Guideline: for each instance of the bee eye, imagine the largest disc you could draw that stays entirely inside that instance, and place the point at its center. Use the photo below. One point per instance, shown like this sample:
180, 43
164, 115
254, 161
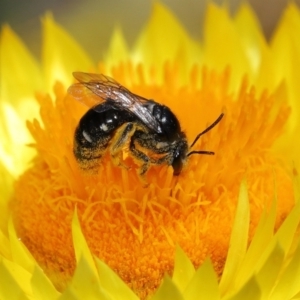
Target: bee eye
167, 120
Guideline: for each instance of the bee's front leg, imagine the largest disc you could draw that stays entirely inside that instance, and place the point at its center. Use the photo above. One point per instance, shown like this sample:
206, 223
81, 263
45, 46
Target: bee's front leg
140, 156
148, 141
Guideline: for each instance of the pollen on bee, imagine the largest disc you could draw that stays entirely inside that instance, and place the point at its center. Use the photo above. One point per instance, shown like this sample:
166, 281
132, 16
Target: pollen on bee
160, 145
87, 136
103, 127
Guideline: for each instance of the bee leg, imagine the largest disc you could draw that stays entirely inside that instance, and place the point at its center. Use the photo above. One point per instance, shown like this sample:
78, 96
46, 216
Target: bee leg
140, 156
122, 138
162, 160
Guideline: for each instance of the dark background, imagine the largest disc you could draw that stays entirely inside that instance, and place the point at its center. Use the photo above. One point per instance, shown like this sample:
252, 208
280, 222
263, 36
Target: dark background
91, 22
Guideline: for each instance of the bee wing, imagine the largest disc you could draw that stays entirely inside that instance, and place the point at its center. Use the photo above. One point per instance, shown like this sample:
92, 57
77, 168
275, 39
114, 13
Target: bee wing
104, 88
80, 92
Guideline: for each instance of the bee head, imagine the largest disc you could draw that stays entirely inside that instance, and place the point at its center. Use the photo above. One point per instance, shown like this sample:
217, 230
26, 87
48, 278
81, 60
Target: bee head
180, 155
181, 151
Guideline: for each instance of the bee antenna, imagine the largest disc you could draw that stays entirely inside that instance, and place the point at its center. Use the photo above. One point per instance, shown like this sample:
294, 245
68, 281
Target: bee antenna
203, 132
201, 152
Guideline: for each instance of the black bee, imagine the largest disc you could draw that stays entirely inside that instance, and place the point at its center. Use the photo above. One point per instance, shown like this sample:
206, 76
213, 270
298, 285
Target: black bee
118, 117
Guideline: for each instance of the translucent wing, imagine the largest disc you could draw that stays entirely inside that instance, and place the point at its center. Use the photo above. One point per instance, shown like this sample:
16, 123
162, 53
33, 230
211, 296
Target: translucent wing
103, 89
81, 93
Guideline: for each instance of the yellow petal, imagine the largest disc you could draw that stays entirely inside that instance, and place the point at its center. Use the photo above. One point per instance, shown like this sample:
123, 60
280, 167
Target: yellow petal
62, 55
286, 232
113, 284
255, 47
264, 261
6, 187
204, 284
20, 75
81, 247
117, 50
96, 280
84, 282
238, 240
183, 270
286, 54
249, 291
263, 236
69, 295
4, 245
267, 275
287, 286
286, 51
41, 285
20, 254
164, 39
222, 44
14, 152
19, 272
15, 281
167, 290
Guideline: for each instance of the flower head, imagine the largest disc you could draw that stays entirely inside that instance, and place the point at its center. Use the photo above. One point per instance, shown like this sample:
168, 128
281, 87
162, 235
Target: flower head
136, 230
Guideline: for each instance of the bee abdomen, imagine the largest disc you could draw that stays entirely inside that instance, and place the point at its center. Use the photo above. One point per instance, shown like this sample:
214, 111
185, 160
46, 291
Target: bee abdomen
94, 132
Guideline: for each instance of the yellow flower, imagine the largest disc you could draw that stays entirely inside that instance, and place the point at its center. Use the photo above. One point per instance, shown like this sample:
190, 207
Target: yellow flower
206, 234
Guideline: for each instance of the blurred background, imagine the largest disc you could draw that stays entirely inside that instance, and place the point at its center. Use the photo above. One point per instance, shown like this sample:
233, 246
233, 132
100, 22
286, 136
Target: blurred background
91, 22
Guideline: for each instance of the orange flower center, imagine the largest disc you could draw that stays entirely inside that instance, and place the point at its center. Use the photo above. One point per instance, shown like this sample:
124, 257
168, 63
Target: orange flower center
132, 227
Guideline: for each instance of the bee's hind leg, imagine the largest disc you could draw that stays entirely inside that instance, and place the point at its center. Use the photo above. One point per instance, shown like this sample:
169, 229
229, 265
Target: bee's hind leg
119, 141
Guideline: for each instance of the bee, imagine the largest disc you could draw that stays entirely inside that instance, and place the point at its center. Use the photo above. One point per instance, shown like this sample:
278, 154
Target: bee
118, 117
